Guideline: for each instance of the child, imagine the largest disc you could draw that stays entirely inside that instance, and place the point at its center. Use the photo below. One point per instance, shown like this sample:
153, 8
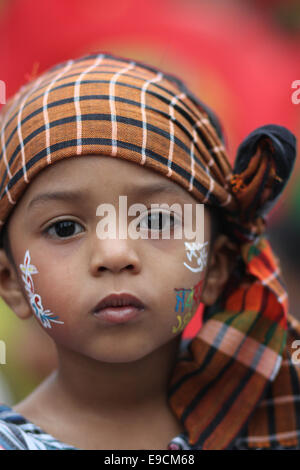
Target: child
73, 141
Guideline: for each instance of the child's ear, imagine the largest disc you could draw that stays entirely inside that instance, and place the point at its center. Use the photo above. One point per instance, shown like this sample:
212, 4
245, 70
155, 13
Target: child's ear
10, 289
221, 263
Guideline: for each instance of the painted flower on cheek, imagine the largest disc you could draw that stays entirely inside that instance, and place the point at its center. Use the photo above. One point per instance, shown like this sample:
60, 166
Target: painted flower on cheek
45, 316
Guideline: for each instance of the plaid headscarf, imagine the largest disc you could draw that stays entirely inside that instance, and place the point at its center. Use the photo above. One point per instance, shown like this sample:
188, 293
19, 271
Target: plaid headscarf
102, 104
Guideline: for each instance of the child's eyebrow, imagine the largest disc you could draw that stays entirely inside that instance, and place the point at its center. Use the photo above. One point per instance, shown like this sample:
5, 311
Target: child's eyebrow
72, 196
77, 196
164, 187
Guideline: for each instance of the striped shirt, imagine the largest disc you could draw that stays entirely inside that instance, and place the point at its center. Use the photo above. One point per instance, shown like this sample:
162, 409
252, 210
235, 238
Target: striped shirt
17, 433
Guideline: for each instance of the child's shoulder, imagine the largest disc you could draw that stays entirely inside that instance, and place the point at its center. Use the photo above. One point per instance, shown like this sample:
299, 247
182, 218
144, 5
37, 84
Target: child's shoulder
17, 433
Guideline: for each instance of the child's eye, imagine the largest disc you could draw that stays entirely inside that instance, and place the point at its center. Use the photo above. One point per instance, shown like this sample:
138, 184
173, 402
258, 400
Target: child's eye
158, 221
63, 229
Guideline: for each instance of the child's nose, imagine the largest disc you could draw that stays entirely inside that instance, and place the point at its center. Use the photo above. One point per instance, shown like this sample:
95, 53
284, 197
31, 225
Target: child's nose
114, 255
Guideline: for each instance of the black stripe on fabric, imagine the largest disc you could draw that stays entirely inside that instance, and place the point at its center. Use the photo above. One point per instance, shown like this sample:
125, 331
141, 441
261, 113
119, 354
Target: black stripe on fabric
258, 192
138, 63
161, 98
61, 103
228, 404
100, 117
271, 418
241, 442
91, 117
92, 97
171, 78
128, 85
296, 393
128, 146
82, 60
176, 122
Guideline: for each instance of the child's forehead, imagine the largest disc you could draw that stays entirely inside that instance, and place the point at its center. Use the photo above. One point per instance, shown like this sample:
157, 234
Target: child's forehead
91, 176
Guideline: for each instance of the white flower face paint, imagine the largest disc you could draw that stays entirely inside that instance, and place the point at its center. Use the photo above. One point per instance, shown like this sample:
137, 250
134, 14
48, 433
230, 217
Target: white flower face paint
45, 316
198, 251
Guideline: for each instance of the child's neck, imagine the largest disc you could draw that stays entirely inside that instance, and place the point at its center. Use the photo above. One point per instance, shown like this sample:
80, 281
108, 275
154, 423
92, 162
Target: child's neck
109, 387
84, 396
116, 385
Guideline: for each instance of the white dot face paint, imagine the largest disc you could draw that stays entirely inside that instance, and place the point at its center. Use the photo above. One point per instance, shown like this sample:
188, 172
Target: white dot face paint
199, 251
44, 316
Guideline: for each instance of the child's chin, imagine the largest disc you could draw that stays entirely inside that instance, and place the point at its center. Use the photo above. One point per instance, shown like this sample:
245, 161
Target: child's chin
121, 354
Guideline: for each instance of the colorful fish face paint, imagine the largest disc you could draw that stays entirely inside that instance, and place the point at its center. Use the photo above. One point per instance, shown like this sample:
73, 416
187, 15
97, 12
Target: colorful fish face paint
186, 299
45, 316
198, 251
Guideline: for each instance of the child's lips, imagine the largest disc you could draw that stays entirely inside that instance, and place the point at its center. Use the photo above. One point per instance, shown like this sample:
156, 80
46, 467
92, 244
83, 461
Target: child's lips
118, 308
118, 314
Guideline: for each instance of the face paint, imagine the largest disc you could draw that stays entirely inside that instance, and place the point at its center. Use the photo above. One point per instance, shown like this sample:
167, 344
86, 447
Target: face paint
198, 251
186, 299
45, 316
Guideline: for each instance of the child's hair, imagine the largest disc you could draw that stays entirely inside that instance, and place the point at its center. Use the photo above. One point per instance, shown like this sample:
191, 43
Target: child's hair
5, 243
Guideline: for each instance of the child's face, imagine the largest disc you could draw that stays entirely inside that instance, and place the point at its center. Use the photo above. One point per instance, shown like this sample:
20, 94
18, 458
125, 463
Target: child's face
76, 269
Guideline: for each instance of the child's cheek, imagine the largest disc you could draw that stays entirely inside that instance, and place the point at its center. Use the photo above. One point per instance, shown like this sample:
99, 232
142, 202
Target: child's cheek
35, 296
187, 300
